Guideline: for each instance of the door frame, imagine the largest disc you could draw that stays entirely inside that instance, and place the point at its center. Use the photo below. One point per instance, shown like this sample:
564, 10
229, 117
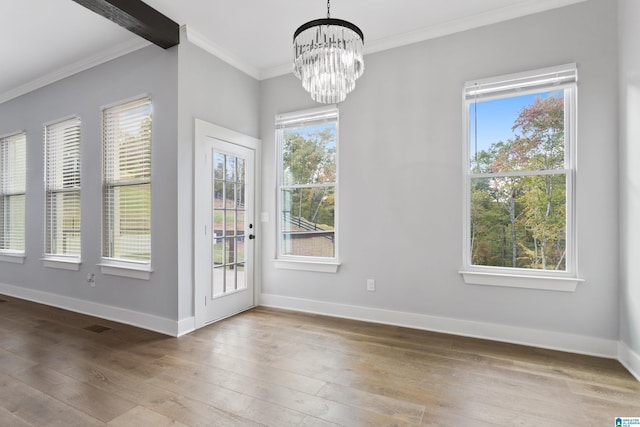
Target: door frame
203, 131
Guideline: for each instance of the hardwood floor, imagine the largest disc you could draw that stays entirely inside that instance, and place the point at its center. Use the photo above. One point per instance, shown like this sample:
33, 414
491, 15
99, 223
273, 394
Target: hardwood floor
279, 368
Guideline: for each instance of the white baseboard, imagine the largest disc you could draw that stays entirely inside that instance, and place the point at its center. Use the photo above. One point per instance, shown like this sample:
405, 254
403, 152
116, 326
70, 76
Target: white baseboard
629, 359
504, 333
122, 315
532, 337
186, 326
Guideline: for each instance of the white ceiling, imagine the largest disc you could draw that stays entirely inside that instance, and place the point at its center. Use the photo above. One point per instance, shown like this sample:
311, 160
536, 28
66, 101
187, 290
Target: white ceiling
42, 41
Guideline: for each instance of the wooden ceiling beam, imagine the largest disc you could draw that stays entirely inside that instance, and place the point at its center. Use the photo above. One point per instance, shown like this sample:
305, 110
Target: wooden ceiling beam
139, 18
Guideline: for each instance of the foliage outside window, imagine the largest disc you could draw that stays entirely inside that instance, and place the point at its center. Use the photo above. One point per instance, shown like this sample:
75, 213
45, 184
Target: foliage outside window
13, 154
520, 172
307, 180
62, 188
127, 181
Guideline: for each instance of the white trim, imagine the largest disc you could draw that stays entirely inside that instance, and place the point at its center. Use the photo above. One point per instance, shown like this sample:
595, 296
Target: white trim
17, 258
455, 26
72, 264
518, 84
132, 270
219, 52
62, 120
306, 265
210, 130
561, 341
629, 359
151, 322
277, 71
570, 125
129, 100
549, 283
186, 326
301, 117
204, 130
75, 68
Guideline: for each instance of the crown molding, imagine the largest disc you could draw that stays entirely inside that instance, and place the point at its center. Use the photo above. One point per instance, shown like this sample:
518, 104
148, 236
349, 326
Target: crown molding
71, 69
217, 51
504, 14
459, 25
455, 26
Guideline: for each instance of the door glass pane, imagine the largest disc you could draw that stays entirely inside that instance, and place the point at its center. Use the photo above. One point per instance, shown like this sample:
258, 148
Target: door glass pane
218, 194
218, 166
231, 169
230, 279
218, 281
230, 221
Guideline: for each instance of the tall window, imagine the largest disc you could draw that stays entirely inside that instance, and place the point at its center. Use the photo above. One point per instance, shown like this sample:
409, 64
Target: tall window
520, 172
307, 181
126, 143
12, 192
62, 188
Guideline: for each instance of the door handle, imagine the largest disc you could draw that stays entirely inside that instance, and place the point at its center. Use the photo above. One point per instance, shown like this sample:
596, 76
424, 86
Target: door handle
251, 236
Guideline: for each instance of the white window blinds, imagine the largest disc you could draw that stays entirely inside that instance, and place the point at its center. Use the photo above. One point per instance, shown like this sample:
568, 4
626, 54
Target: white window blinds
127, 181
13, 152
306, 118
62, 188
522, 83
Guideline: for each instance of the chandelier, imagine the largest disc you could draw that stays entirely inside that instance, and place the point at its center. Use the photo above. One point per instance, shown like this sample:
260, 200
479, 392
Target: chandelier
328, 57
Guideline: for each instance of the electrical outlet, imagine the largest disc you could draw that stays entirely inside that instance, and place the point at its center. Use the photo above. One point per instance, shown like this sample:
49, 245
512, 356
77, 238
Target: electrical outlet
91, 279
371, 285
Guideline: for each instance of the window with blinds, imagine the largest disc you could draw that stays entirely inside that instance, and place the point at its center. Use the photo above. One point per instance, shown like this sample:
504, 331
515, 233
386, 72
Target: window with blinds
126, 143
13, 155
62, 188
520, 171
308, 183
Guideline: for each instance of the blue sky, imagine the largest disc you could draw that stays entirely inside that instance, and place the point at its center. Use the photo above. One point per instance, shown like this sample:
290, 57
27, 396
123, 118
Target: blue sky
496, 117
308, 131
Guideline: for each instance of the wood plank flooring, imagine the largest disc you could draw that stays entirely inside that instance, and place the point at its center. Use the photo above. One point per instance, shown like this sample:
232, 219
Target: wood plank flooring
280, 368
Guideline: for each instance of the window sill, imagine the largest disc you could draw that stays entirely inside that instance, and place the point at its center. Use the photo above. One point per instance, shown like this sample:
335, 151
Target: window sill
548, 283
12, 257
131, 270
317, 266
72, 264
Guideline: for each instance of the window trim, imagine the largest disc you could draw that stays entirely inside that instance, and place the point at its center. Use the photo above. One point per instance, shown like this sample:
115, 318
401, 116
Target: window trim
11, 255
117, 266
300, 262
71, 263
566, 80
54, 260
125, 268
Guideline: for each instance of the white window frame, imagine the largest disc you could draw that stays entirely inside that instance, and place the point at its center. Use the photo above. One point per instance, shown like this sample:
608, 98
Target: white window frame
53, 259
297, 262
131, 268
553, 78
8, 255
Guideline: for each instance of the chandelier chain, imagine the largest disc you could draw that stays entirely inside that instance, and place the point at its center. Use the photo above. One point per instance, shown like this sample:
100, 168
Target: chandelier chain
328, 9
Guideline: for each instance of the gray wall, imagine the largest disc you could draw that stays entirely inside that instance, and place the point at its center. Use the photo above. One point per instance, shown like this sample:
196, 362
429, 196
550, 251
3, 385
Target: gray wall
214, 91
401, 186
151, 71
630, 173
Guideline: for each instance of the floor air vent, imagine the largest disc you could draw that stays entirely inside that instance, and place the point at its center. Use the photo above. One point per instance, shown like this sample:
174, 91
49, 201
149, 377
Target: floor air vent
97, 328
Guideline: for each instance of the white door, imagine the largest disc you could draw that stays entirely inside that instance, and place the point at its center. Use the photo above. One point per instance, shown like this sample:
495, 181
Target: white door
224, 228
